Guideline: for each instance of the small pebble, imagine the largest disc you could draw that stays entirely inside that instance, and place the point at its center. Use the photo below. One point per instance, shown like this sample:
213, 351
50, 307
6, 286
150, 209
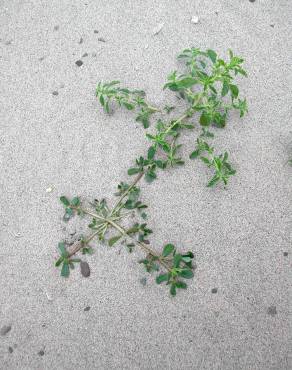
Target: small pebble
56, 28
55, 93
10, 349
214, 290
195, 19
101, 39
41, 353
272, 25
49, 189
5, 329
95, 31
143, 281
87, 308
84, 55
79, 63
81, 40
84, 268
251, 1
285, 254
272, 311
158, 29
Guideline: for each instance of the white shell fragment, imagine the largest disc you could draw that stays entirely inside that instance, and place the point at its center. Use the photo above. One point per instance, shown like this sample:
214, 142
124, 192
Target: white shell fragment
195, 19
49, 189
158, 29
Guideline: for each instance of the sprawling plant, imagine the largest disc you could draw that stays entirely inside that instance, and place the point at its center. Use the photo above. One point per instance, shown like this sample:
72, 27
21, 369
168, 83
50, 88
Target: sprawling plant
209, 93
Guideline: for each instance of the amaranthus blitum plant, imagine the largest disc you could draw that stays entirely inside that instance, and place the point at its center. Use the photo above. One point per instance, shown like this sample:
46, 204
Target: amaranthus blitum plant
207, 86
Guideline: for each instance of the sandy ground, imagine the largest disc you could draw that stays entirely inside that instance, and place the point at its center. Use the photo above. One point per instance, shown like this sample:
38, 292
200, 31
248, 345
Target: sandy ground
241, 236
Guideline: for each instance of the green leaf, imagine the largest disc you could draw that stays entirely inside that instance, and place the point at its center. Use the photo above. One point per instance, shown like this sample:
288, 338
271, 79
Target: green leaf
59, 261
205, 119
186, 274
195, 154
212, 55
225, 88
234, 91
62, 249
128, 106
213, 181
181, 285
133, 171
101, 99
113, 240
161, 278
168, 249
64, 200
65, 269
173, 289
75, 201
151, 152
150, 176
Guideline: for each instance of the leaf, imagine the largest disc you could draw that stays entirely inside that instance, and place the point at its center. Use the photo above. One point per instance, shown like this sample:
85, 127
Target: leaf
205, 119
212, 55
129, 106
64, 200
205, 160
181, 285
133, 171
65, 269
167, 250
75, 201
213, 181
234, 91
150, 176
161, 278
113, 240
186, 274
101, 99
173, 289
62, 249
195, 154
59, 261
225, 88
151, 152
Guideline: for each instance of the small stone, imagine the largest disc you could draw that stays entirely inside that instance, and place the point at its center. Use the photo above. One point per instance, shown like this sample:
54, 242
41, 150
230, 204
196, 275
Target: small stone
41, 353
5, 329
81, 40
10, 349
214, 290
195, 19
55, 93
143, 281
101, 39
56, 28
272, 310
272, 25
251, 1
79, 63
285, 254
84, 268
87, 308
49, 189
95, 31
84, 55
157, 29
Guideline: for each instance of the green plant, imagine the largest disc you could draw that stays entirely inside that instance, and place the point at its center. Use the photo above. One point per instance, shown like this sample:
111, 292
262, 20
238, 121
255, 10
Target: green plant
208, 89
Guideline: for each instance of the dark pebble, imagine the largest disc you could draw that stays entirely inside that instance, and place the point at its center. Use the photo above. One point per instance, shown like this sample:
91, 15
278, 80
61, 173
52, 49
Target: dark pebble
272, 310
251, 1
56, 28
5, 329
55, 93
81, 40
87, 308
101, 39
10, 349
143, 281
95, 31
272, 25
84, 268
84, 55
79, 63
214, 290
41, 353
285, 254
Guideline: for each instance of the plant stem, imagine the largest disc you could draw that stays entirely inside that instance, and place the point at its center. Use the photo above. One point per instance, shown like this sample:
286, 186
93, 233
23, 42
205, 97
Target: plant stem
121, 231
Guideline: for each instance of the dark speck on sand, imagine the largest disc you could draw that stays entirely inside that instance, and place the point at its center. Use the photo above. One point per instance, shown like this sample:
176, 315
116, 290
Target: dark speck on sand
79, 63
